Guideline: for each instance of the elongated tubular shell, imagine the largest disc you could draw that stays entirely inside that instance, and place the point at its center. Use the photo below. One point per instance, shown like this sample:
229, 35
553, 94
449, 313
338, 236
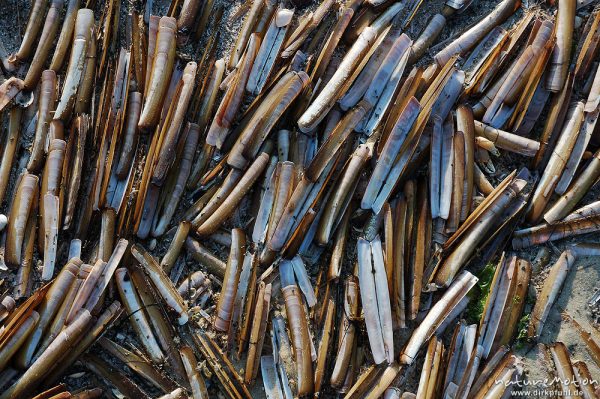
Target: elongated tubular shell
130, 134
335, 140
230, 280
46, 104
170, 257
301, 32
258, 332
556, 163
152, 31
188, 12
529, 97
271, 189
401, 244
259, 127
58, 349
544, 233
385, 86
247, 290
554, 121
72, 171
138, 318
292, 208
419, 251
593, 99
61, 315
47, 310
213, 264
470, 38
210, 201
441, 139
339, 246
231, 101
494, 309
12, 345
390, 151
106, 241
345, 16
81, 42
245, 34
10, 146
428, 382
85, 290
194, 377
440, 311
332, 91
20, 212
45, 44
139, 50
300, 338
166, 154
65, 36
269, 50
342, 193
163, 284
375, 299
564, 368
580, 186
111, 313
514, 81
50, 224
590, 210
228, 205
481, 181
52, 177
347, 334
88, 78
431, 32
560, 59
550, 291
284, 188
405, 92
458, 176
508, 141
210, 95
383, 382
160, 74
585, 379
160, 323
34, 24
387, 50
111, 265
324, 345
461, 253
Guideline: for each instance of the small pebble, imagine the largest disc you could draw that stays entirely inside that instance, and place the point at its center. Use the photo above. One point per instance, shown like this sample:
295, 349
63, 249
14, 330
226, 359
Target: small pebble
152, 244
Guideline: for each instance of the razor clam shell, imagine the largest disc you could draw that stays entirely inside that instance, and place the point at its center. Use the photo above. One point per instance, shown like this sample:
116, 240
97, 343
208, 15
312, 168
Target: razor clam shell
268, 51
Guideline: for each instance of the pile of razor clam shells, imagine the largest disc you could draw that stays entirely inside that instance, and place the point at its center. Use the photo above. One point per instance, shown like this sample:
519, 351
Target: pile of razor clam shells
342, 199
